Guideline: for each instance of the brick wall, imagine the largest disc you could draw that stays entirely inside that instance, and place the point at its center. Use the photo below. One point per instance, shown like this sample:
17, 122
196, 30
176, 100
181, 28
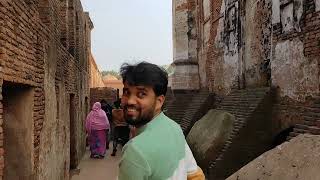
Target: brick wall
106, 93
95, 75
186, 71
265, 43
245, 44
39, 47
210, 53
298, 80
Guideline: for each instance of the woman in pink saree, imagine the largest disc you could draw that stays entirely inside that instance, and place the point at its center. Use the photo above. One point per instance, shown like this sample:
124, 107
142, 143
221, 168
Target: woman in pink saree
97, 125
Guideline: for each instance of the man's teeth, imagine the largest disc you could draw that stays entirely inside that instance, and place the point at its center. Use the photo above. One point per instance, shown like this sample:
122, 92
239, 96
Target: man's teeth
131, 110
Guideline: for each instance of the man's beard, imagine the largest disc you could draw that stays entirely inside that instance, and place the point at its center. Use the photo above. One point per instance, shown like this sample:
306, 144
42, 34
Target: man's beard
141, 119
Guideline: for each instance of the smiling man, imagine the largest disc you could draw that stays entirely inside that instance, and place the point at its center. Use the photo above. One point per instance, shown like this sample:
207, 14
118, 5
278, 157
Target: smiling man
159, 151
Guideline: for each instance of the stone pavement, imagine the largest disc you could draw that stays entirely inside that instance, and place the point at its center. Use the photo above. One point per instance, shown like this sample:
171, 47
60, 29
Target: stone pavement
98, 169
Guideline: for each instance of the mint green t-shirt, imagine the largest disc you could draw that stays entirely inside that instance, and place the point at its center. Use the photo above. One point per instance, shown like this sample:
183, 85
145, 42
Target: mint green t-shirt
158, 152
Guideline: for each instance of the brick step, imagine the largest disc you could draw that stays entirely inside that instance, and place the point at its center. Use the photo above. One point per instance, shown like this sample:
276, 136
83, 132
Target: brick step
246, 95
300, 131
199, 101
238, 113
292, 135
249, 109
240, 103
316, 105
180, 108
308, 118
314, 130
312, 109
312, 115
301, 126
238, 126
235, 132
175, 116
237, 122
262, 89
243, 98
241, 117
254, 91
310, 123
241, 108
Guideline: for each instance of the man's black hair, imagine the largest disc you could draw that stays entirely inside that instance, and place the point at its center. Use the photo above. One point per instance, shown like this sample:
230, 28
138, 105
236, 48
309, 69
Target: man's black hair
145, 74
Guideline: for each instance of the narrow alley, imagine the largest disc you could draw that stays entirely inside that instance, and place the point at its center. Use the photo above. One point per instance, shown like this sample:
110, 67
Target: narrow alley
97, 169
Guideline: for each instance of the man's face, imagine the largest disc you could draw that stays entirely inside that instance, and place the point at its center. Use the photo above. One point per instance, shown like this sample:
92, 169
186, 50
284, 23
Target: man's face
140, 104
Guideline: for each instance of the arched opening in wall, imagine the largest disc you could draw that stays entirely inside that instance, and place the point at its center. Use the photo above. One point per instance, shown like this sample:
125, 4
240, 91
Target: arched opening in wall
18, 103
282, 136
73, 159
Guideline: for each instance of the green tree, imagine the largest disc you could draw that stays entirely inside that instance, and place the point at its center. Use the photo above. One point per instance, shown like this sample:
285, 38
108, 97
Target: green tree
112, 72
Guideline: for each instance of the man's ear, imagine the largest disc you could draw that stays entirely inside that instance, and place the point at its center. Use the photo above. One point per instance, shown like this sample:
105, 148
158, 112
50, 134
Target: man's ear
160, 101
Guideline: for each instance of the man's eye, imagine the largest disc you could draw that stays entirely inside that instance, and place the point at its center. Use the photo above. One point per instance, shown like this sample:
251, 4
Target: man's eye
141, 94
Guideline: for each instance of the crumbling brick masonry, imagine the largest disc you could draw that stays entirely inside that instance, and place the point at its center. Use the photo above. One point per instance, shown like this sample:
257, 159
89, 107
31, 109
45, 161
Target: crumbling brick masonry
44, 85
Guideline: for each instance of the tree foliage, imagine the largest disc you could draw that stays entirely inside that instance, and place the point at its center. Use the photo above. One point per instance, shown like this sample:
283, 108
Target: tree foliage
168, 68
112, 73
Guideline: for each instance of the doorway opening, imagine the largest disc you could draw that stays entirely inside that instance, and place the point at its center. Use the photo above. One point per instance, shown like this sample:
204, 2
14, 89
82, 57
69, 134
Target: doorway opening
18, 102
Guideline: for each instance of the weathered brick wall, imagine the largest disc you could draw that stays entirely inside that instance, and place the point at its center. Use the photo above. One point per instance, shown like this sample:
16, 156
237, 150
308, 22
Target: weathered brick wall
95, 75
21, 62
295, 65
186, 73
230, 55
210, 54
34, 50
264, 43
106, 93
226, 68
256, 36
260, 43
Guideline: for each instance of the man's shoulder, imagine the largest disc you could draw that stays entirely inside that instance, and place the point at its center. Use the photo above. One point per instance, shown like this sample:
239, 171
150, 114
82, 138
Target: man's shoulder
170, 123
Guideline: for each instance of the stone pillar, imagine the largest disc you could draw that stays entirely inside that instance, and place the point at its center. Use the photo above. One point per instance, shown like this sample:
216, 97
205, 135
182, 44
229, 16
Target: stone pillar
186, 74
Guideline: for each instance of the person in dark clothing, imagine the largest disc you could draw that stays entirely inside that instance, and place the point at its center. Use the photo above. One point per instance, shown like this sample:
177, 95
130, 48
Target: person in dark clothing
121, 128
107, 108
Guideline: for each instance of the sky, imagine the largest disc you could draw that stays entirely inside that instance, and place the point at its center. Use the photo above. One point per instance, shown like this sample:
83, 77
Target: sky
130, 31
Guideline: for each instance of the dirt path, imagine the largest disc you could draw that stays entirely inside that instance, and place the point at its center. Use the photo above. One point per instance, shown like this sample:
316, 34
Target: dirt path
98, 169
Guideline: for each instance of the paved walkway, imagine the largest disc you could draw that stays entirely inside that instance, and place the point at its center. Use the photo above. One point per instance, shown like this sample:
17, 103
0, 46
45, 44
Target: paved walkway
98, 169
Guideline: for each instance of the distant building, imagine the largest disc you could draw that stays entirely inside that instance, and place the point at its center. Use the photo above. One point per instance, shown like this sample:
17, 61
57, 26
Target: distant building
113, 82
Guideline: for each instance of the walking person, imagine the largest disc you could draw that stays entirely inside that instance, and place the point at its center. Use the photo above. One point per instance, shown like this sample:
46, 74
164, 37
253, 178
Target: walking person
159, 150
107, 108
121, 128
97, 125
